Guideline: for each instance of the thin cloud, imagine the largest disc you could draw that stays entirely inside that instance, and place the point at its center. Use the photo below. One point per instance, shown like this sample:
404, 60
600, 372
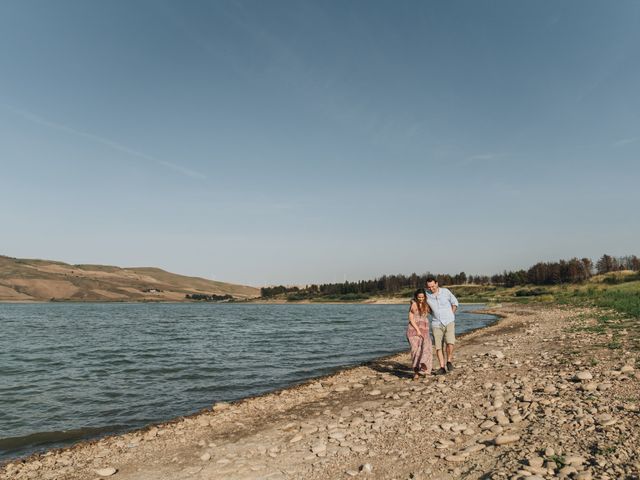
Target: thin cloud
32, 117
624, 141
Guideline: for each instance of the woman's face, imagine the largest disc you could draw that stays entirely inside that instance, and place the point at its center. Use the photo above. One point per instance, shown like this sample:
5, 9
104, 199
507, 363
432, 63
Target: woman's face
420, 297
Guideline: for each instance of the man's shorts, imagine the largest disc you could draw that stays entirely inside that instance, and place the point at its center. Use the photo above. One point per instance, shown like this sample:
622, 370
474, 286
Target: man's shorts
448, 333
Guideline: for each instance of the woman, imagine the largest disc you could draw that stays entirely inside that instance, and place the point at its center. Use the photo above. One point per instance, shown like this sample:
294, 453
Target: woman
418, 334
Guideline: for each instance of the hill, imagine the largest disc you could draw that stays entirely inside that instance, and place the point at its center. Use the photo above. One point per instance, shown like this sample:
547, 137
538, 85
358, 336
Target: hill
45, 280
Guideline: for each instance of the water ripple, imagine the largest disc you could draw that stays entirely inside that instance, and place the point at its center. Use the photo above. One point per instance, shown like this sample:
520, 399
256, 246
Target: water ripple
73, 371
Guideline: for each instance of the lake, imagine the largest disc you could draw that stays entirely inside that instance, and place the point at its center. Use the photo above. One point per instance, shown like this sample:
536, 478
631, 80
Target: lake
70, 371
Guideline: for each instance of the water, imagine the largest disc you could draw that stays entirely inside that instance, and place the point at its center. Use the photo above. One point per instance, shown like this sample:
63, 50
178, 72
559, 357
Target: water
74, 371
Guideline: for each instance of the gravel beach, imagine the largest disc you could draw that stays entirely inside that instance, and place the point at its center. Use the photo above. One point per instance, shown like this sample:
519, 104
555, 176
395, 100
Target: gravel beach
536, 395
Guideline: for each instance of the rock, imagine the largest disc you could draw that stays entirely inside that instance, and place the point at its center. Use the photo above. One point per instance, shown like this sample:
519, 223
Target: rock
366, 468
574, 460
605, 420
502, 420
105, 472
583, 476
221, 406
496, 354
535, 461
352, 473
337, 435
567, 471
549, 452
627, 369
319, 448
443, 443
474, 448
359, 448
537, 470
374, 392
505, 439
206, 457
296, 438
589, 387
517, 418
486, 425
455, 458
583, 376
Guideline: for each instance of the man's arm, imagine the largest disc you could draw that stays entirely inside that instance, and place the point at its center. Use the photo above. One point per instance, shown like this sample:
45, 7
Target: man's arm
454, 302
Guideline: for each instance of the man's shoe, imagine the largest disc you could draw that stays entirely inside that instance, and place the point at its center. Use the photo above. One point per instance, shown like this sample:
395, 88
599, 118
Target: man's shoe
449, 366
441, 371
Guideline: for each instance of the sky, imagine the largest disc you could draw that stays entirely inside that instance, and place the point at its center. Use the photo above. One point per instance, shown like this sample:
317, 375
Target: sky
297, 142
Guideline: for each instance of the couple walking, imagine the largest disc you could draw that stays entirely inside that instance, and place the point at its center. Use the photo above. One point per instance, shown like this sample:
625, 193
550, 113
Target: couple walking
441, 304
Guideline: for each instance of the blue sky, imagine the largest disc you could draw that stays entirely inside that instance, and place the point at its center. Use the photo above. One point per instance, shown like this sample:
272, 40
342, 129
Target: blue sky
298, 142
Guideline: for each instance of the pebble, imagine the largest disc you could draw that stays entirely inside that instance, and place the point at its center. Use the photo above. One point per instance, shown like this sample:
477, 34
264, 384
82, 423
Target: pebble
505, 439
583, 476
486, 425
535, 461
589, 387
319, 448
605, 420
375, 392
366, 468
359, 448
455, 458
296, 438
583, 376
105, 472
627, 369
443, 443
221, 406
574, 460
474, 448
567, 471
206, 457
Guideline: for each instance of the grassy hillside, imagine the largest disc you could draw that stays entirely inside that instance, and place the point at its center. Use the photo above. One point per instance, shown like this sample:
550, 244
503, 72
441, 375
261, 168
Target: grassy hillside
42, 280
616, 296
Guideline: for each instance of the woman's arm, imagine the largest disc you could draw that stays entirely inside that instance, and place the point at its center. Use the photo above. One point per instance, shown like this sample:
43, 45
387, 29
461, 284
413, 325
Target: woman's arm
412, 321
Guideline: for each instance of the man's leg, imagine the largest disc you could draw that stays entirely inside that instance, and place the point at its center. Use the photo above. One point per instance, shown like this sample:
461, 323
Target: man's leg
450, 352
450, 340
440, 357
438, 337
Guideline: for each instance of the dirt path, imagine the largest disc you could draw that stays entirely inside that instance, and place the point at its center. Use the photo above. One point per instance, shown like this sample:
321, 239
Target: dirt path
534, 396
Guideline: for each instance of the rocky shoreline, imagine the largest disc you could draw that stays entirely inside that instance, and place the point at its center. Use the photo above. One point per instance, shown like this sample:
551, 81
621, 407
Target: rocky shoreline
533, 396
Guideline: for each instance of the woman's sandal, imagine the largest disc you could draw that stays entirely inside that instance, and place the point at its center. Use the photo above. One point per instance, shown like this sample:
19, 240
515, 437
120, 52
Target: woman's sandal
416, 376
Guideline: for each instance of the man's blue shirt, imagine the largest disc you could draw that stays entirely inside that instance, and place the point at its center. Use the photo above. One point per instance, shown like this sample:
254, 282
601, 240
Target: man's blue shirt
440, 304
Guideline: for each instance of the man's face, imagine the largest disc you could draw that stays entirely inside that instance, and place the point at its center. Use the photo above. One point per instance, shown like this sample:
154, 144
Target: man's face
432, 286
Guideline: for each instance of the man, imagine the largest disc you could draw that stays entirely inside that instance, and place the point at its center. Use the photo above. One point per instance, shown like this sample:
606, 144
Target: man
443, 305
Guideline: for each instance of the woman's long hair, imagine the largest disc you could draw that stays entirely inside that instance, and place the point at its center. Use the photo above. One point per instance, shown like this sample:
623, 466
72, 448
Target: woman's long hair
423, 308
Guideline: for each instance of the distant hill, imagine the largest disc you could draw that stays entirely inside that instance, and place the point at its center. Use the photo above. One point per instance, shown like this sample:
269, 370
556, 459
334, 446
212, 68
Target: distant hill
45, 280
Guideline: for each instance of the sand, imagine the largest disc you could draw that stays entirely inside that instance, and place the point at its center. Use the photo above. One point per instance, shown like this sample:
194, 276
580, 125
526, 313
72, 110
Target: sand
533, 396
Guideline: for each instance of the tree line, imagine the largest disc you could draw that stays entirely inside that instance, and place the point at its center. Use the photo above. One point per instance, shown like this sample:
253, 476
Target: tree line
542, 273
